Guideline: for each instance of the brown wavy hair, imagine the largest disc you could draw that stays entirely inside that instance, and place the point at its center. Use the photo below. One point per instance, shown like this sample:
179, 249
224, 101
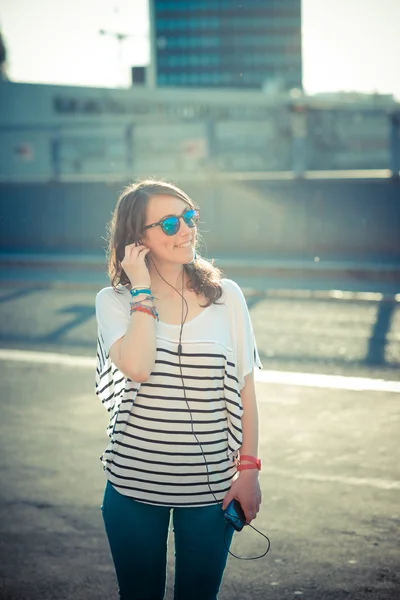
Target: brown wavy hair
126, 227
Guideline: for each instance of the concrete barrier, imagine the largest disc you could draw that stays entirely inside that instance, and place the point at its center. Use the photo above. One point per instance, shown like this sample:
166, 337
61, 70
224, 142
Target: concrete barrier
356, 220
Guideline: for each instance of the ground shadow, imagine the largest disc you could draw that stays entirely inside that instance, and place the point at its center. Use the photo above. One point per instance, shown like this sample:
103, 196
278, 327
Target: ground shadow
82, 313
379, 336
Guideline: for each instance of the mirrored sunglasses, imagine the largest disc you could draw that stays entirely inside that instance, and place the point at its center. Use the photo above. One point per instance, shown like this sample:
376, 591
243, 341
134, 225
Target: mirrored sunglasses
171, 224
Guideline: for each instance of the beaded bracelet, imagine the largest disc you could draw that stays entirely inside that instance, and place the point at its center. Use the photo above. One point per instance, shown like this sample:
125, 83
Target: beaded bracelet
146, 309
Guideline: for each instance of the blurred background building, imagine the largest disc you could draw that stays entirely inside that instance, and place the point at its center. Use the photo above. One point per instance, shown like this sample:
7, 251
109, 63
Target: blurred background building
51, 132
219, 43
221, 111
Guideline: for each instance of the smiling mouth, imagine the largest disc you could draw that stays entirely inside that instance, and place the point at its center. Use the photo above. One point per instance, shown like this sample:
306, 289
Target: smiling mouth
185, 245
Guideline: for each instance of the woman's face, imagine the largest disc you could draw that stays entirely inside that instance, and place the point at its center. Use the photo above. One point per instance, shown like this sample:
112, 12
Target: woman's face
177, 248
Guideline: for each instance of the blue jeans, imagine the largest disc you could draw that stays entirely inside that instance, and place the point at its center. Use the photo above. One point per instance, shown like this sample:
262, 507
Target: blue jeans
138, 534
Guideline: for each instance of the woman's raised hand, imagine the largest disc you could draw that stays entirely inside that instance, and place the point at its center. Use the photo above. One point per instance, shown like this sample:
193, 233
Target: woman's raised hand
134, 264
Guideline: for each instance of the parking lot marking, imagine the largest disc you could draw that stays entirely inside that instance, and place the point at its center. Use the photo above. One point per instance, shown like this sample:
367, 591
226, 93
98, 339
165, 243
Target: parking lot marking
339, 382
50, 358
381, 484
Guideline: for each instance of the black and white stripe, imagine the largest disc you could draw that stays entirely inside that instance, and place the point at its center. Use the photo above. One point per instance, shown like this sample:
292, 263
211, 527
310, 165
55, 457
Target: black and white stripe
167, 449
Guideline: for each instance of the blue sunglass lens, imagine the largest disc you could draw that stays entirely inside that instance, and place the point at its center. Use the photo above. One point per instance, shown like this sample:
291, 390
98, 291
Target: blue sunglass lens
171, 225
191, 217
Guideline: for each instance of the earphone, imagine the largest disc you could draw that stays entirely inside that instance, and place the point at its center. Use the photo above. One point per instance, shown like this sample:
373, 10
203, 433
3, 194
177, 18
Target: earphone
183, 320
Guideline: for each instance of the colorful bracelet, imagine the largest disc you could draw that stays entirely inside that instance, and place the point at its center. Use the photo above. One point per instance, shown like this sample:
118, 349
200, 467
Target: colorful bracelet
241, 467
146, 309
132, 303
136, 291
255, 463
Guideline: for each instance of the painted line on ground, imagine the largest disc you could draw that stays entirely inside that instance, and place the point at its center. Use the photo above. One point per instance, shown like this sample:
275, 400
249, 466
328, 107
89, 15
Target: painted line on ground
381, 484
49, 358
338, 382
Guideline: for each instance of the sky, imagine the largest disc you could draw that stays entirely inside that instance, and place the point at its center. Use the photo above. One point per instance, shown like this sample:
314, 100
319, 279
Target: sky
348, 45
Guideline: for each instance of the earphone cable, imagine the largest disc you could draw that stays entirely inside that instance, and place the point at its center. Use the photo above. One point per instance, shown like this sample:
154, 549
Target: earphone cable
251, 557
183, 320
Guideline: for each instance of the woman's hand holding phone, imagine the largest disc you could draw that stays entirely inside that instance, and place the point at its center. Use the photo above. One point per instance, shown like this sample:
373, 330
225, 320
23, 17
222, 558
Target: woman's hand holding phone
134, 264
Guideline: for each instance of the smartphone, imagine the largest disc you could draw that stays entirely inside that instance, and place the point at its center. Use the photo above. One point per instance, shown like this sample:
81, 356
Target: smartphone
234, 515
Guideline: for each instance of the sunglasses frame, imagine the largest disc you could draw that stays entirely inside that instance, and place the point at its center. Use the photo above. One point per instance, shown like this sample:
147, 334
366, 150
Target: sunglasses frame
179, 217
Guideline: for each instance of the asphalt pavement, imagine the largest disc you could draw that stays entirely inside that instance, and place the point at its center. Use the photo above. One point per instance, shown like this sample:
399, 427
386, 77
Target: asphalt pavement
330, 480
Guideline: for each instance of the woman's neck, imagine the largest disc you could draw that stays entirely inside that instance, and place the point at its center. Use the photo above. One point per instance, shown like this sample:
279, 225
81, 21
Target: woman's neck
172, 276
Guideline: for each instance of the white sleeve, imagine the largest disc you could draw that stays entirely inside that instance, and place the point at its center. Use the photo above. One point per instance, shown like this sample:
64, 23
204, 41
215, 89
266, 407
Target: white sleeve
112, 316
242, 331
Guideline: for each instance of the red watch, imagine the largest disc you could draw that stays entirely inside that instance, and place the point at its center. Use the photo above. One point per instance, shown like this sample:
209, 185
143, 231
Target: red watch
255, 463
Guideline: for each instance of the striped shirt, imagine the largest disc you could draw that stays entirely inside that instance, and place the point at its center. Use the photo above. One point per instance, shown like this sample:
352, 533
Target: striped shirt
174, 438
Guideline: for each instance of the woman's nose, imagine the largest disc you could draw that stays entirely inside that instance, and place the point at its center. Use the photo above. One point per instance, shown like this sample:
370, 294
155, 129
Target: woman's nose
184, 229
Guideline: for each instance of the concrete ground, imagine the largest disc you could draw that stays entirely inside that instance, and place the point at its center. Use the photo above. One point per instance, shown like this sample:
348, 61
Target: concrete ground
330, 481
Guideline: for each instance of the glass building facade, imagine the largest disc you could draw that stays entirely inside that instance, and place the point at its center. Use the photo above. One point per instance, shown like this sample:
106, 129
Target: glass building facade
227, 43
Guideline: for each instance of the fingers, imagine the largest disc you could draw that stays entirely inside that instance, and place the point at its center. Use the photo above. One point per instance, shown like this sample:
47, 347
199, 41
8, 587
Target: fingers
227, 499
136, 250
143, 250
250, 512
249, 517
134, 246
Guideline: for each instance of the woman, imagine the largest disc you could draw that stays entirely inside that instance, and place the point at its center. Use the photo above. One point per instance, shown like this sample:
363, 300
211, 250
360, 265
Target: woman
176, 353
